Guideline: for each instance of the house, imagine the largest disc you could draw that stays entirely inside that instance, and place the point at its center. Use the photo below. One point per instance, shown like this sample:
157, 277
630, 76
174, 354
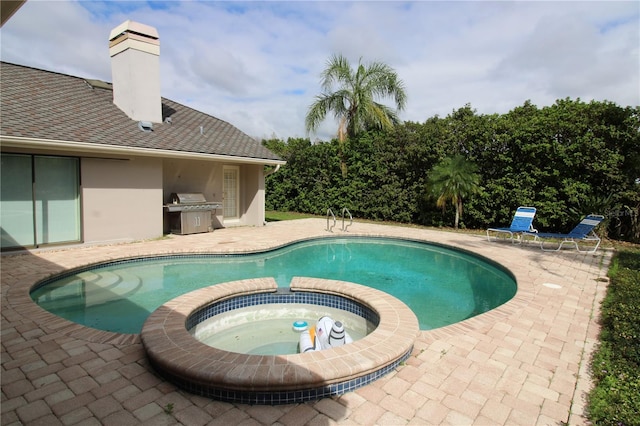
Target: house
8, 8
85, 161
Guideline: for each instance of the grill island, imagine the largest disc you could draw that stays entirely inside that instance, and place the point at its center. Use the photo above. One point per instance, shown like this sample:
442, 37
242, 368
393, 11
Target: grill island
190, 213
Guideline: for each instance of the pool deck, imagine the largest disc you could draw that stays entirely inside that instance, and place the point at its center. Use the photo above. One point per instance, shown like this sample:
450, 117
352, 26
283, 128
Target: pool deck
523, 363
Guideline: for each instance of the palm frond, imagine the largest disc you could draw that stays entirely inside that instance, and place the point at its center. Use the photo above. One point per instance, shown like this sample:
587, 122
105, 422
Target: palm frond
453, 179
352, 95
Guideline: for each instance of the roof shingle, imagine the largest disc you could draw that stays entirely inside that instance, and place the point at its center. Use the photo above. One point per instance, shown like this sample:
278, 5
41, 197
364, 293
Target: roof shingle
42, 104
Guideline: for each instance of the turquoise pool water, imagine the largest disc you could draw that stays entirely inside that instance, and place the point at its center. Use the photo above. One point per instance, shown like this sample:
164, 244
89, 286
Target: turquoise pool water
442, 286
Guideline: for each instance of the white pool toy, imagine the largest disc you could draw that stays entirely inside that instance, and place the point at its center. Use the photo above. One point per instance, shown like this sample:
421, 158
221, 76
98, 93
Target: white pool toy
326, 334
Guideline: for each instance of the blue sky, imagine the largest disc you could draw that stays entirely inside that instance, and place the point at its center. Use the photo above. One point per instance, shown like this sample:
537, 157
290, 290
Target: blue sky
257, 64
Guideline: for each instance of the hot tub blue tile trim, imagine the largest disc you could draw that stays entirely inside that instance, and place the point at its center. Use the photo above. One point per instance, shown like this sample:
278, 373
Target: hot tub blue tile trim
283, 397
329, 300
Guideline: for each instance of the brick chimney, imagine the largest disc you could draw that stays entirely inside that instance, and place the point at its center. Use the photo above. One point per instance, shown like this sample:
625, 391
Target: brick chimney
135, 70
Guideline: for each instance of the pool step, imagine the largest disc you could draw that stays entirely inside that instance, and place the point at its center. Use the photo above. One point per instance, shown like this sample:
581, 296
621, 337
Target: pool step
106, 286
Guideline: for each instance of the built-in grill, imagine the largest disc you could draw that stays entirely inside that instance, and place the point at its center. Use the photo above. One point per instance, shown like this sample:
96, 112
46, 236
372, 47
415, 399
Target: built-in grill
190, 213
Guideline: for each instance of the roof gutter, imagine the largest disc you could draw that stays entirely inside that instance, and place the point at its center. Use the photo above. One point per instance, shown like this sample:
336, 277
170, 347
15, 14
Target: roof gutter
102, 149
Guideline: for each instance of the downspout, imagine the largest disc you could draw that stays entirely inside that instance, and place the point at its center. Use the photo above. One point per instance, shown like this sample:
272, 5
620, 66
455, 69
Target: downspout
270, 172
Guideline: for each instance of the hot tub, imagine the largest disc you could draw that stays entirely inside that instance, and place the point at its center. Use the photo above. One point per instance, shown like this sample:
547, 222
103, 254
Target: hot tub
263, 379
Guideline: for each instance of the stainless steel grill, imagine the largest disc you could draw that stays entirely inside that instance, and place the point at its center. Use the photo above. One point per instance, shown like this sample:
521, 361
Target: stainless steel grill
190, 213
190, 201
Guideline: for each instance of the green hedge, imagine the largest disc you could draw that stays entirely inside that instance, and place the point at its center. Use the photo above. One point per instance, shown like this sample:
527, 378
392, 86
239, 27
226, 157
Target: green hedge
615, 366
567, 160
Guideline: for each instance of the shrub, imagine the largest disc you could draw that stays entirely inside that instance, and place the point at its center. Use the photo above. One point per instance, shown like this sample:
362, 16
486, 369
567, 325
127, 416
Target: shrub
615, 366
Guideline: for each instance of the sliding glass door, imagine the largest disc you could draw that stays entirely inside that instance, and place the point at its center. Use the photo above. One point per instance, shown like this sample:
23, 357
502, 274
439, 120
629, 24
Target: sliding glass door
16, 198
57, 200
40, 200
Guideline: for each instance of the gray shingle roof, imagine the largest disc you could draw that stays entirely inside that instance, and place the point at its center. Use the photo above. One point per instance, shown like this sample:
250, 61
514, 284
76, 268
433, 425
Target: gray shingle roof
47, 105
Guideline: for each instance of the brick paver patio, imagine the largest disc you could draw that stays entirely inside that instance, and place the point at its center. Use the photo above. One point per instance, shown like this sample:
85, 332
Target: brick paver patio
523, 363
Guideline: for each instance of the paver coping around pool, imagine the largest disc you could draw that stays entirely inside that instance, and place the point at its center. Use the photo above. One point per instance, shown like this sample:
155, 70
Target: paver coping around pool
177, 355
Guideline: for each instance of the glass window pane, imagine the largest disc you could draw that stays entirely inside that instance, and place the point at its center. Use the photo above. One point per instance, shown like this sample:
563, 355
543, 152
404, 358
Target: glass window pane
57, 199
16, 203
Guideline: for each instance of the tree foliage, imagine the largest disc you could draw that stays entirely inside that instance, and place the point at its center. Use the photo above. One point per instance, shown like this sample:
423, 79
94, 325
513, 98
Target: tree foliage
352, 96
453, 179
568, 160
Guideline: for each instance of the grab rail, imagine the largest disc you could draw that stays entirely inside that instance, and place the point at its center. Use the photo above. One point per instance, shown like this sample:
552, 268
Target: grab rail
344, 228
329, 211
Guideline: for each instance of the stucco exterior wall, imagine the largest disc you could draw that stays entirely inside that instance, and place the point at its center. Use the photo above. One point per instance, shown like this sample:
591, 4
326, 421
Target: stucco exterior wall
207, 177
252, 189
121, 199
194, 176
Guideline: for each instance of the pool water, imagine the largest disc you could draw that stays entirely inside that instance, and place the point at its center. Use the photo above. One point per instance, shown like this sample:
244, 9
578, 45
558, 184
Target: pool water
268, 329
442, 286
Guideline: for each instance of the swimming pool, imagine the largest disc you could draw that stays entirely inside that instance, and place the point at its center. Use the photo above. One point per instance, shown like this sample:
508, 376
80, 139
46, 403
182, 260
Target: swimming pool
441, 285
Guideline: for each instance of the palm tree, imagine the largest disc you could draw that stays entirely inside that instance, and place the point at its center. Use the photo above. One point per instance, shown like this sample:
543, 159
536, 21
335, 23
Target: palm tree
352, 97
454, 179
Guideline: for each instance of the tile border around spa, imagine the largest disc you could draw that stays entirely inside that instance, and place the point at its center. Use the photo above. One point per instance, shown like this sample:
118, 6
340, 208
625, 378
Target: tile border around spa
283, 379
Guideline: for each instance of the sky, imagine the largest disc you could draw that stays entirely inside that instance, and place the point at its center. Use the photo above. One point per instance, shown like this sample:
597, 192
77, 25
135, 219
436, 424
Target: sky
257, 65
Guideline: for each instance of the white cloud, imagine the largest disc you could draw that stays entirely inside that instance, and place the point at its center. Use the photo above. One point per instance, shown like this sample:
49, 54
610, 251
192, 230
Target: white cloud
258, 64
58, 37
569, 55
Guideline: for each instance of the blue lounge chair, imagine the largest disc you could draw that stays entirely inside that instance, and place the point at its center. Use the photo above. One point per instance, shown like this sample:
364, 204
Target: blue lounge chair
583, 232
522, 222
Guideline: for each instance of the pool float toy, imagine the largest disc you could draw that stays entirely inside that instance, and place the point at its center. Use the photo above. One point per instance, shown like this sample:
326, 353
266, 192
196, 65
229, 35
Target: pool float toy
300, 326
326, 334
